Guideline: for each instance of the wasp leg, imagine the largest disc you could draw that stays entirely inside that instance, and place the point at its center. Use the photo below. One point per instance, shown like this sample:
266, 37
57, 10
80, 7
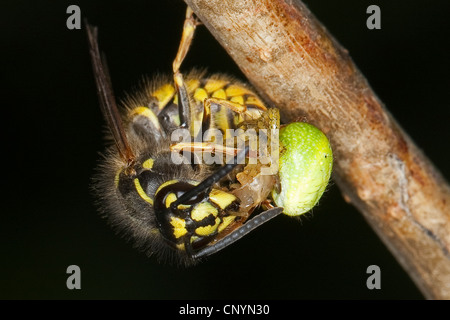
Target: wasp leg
190, 23
208, 183
203, 146
209, 147
233, 106
184, 109
267, 204
239, 233
210, 117
221, 113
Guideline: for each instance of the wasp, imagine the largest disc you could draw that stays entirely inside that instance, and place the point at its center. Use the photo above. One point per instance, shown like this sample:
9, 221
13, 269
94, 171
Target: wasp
176, 205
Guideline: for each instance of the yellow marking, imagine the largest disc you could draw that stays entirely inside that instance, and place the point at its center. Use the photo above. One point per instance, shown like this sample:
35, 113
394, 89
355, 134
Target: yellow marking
200, 94
255, 101
203, 210
214, 85
148, 164
183, 206
219, 94
196, 122
179, 227
238, 99
117, 178
254, 113
141, 191
221, 198
221, 121
236, 90
238, 119
167, 183
175, 100
218, 118
207, 230
171, 197
226, 221
194, 183
164, 94
181, 246
176, 120
146, 112
192, 84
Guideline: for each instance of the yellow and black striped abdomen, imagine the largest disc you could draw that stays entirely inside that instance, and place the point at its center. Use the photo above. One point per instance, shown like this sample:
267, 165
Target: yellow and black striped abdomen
159, 108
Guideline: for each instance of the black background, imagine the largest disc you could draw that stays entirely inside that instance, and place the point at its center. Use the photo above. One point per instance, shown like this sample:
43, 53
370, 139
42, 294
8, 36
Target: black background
53, 133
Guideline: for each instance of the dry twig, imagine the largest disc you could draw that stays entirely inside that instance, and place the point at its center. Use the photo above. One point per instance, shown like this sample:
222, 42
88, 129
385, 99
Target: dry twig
297, 65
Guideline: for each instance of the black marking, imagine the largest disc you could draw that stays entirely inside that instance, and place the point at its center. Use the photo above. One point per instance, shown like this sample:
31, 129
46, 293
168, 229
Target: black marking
184, 108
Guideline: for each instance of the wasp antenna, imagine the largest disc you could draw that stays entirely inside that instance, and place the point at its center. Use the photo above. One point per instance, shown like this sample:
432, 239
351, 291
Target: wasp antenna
239, 233
106, 96
212, 179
